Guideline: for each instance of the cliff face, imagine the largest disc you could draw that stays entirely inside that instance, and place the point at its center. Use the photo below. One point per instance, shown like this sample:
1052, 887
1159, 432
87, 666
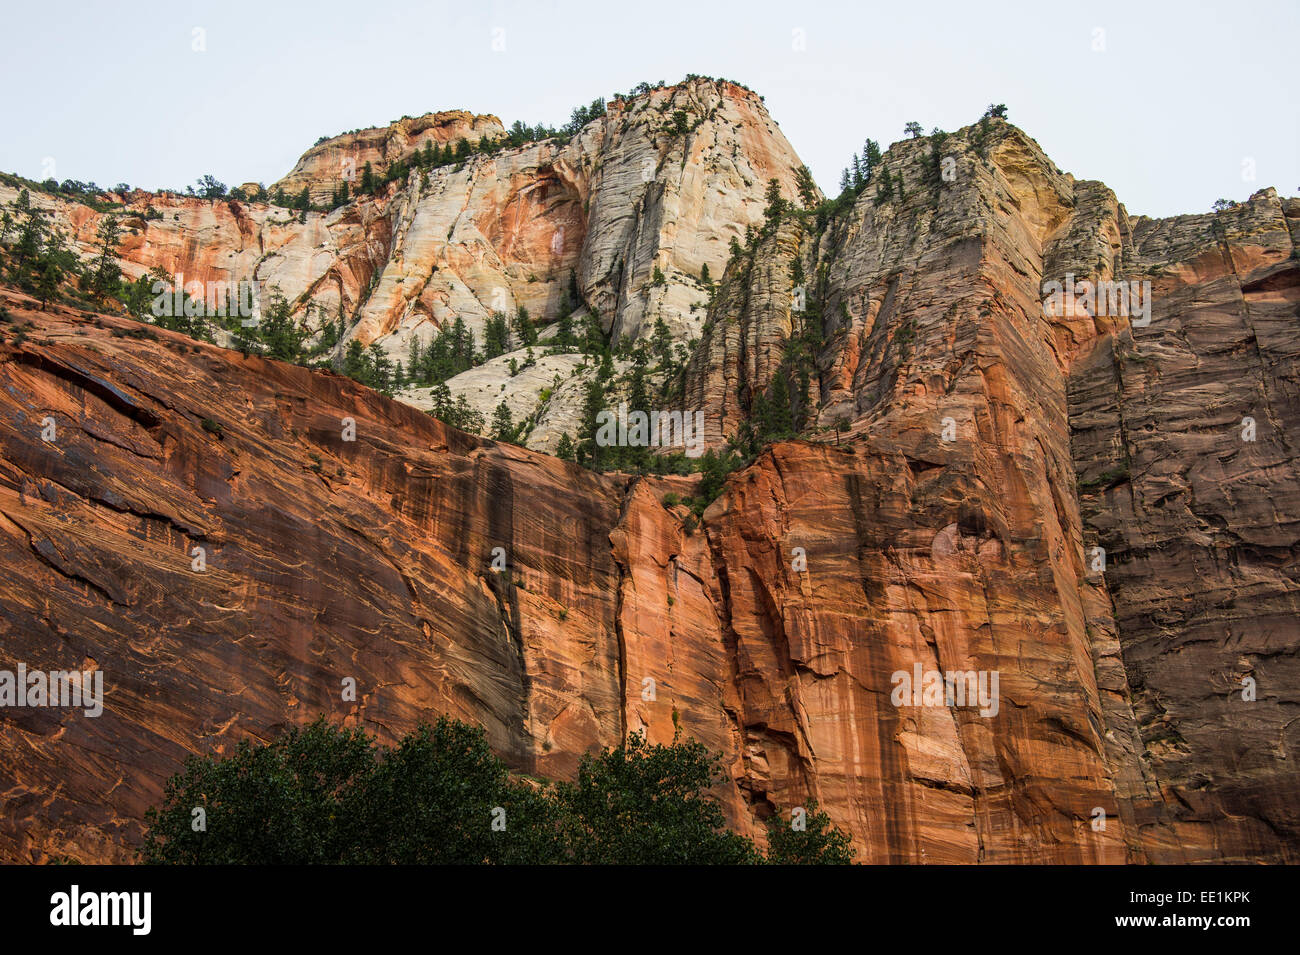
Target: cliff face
630, 210
371, 560
1183, 437
1135, 481
1060, 496
342, 158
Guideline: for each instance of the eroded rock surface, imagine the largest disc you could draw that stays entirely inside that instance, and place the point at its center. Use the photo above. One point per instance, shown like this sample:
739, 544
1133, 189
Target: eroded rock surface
1100, 510
629, 211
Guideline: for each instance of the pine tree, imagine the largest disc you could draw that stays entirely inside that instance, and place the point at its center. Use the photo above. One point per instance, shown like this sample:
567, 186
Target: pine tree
462, 346
661, 342
440, 396
413, 361
593, 338
31, 235
870, 159
106, 270
354, 360
48, 277
525, 330
637, 398
775, 204
806, 187
381, 370
465, 417
780, 423
885, 188
503, 427
589, 452
495, 336
564, 331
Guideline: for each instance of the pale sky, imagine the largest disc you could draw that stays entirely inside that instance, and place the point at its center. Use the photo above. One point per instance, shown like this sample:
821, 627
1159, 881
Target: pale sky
1173, 105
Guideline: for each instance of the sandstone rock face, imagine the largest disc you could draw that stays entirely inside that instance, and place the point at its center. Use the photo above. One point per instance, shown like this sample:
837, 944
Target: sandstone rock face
1184, 437
341, 158
325, 262
1144, 471
628, 195
325, 560
632, 193
328, 559
1099, 510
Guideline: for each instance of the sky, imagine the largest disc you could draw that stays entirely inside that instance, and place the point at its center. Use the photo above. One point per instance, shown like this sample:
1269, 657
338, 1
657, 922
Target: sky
1173, 105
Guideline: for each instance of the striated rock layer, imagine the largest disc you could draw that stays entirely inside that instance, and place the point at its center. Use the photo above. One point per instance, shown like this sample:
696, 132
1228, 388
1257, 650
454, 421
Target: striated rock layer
1100, 510
328, 559
1135, 459
629, 211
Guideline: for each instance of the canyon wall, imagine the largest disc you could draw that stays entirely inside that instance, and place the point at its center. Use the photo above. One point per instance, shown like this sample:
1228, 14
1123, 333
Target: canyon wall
630, 210
1098, 508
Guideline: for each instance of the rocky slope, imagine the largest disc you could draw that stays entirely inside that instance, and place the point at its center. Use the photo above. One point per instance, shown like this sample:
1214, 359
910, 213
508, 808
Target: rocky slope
632, 193
990, 447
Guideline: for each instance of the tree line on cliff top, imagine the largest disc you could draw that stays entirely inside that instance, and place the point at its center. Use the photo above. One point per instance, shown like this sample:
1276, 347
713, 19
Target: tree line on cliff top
326, 794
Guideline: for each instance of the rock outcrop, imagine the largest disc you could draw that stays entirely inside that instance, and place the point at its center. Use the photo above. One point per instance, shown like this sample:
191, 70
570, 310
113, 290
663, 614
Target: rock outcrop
338, 159
1096, 504
629, 211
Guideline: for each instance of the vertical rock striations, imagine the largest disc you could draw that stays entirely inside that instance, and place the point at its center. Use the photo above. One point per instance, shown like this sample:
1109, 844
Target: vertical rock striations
1098, 510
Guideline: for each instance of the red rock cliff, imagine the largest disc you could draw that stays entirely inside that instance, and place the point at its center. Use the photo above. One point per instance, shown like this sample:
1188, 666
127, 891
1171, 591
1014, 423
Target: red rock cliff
989, 448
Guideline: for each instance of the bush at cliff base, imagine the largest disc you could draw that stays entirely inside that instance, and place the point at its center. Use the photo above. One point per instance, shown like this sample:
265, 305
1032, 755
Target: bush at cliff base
325, 794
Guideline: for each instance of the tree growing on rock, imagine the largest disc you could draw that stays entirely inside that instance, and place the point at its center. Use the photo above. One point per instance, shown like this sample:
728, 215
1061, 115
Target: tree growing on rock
806, 187
106, 272
503, 426
208, 187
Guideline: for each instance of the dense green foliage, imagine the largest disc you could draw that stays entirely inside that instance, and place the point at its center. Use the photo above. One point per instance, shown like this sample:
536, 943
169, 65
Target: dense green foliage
818, 842
326, 794
34, 256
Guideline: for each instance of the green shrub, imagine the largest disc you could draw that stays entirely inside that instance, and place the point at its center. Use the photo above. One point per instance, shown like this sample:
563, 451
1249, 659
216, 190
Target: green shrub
326, 794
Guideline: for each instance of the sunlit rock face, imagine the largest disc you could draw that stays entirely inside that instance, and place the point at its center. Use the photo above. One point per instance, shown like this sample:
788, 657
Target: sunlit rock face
1089, 506
626, 215
343, 158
